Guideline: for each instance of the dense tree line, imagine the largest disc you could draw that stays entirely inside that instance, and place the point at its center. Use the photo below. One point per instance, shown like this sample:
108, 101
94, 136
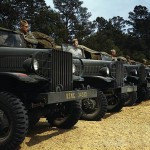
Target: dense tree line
70, 19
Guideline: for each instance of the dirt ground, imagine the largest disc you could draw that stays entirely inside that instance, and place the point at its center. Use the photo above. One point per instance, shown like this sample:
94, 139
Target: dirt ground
126, 130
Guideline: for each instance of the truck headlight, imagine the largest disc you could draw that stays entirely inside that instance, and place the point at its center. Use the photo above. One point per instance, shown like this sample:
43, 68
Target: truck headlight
148, 74
31, 65
35, 65
104, 71
73, 68
133, 72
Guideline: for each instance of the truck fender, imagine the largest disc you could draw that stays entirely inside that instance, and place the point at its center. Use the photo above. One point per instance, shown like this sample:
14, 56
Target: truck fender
98, 78
132, 79
22, 77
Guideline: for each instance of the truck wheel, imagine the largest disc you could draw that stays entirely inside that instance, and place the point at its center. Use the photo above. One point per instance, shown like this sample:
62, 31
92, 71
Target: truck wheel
132, 97
147, 93
13, 121
116, 102
141, 95
93, 109
68, 116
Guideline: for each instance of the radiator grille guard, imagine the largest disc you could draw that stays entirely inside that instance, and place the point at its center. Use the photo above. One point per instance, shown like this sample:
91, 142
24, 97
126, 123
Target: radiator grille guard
93, 70
12, 63
117, 72
54, 65
57, 67
78, 66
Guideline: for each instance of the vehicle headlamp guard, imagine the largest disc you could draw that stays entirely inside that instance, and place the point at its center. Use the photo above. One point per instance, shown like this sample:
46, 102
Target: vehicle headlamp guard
104, 71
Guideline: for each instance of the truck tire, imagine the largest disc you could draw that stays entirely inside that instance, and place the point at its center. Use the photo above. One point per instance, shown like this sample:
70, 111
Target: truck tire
147, 93
68, 116
132, 97
13, 121
141, 94
94, 109
116, 102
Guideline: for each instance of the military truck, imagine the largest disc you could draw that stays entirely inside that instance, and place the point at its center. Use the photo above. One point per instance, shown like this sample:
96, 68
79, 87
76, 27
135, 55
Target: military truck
147, 68
106, 76
92, 108
138, 75
35, 83
131, 96
148, 80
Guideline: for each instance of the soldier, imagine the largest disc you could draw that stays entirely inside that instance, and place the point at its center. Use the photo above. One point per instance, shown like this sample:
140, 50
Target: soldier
28, 36
24, 27
76, 51
144, 61
113, 54
128, 59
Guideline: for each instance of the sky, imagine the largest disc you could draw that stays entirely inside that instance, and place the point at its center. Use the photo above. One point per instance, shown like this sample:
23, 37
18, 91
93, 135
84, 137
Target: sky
109, 8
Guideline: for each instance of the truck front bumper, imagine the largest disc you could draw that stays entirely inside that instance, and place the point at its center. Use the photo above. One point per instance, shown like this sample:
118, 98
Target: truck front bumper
126, 89
148, 85
65, 96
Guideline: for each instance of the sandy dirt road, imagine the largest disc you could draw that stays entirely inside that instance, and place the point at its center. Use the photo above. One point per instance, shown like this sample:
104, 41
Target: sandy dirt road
126, 130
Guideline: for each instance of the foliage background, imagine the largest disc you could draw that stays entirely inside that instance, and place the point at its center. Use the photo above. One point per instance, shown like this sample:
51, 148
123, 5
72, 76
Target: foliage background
70, 20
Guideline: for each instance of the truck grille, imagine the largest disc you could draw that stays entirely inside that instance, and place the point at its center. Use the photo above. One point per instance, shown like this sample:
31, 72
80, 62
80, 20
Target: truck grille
12, 63
117, 72
57, 67
78, 66
93, 70
142, 74
54, 65
113, 69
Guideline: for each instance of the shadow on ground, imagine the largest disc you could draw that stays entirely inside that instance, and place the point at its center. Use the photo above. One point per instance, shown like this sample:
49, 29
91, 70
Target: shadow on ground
37, 135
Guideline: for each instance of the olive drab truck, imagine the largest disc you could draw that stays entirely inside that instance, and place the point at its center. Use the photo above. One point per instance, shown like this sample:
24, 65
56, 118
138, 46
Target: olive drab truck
35, 83
105, 75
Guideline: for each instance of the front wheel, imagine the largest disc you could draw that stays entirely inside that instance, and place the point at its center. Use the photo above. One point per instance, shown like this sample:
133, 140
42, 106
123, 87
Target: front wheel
147, 93
132, 97
68, 115
141, 94
13, 121
116, 102
93, 109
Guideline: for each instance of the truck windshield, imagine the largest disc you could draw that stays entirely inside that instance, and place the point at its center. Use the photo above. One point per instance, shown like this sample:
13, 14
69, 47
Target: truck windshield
11, 39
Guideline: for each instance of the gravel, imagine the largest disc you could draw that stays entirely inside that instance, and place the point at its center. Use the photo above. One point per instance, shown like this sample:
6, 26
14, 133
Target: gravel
126, 130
